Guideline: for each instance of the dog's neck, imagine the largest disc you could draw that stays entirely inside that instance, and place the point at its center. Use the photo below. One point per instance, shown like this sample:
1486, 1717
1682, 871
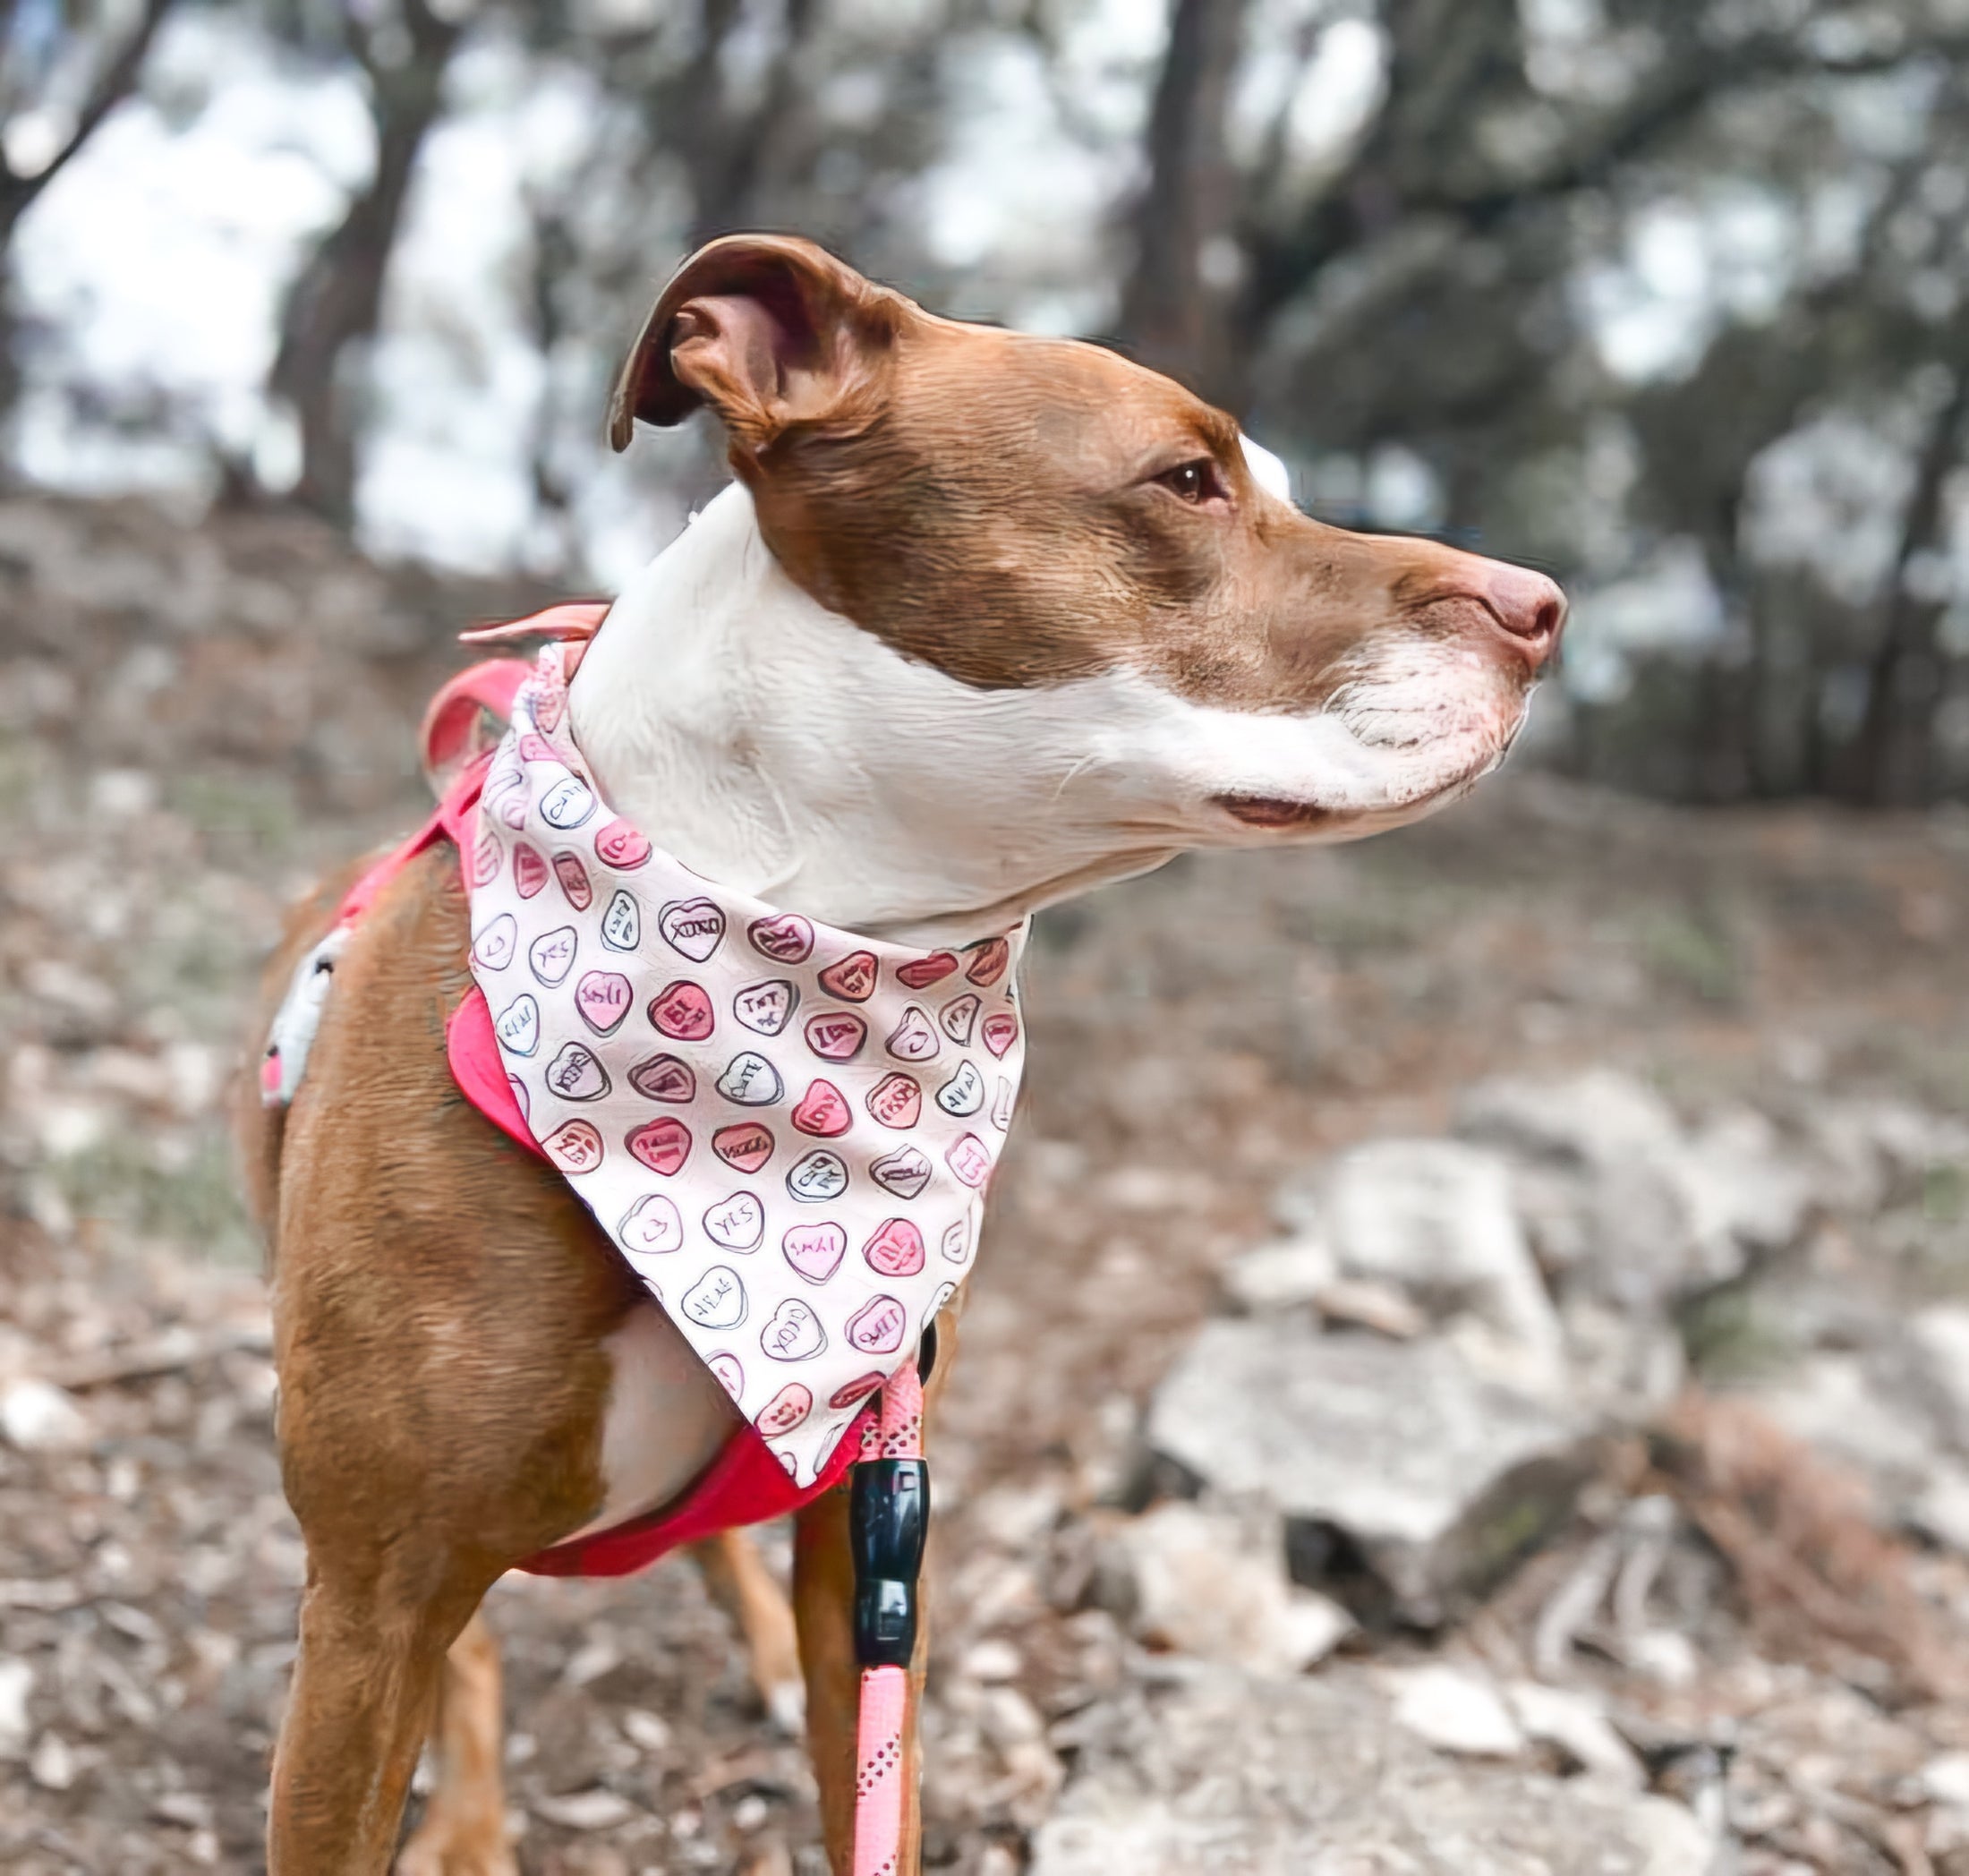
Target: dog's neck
775, 746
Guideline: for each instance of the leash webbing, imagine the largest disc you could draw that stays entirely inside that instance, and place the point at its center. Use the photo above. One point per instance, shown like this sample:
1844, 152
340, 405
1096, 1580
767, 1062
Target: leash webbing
888, 1516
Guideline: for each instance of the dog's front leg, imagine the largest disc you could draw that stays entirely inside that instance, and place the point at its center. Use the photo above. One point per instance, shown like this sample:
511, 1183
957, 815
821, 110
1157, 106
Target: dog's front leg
365, 1687
464, 1828
740, 1584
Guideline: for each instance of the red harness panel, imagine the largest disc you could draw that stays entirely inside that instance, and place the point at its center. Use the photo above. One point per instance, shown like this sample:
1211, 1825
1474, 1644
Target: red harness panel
745, 1484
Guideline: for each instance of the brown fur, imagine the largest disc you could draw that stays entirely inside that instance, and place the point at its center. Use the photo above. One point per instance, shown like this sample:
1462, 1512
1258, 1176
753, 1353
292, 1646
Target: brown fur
1017, 512
441, 1300
1050, 546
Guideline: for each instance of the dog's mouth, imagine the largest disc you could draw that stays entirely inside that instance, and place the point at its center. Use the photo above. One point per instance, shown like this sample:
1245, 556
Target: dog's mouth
1274, 812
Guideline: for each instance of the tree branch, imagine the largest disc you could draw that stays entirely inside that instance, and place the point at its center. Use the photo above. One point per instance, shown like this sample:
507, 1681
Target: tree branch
1368, 200
115, 83
1669, 106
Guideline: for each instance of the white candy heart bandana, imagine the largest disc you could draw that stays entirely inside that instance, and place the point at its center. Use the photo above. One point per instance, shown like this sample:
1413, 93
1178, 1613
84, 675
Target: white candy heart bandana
786, 1129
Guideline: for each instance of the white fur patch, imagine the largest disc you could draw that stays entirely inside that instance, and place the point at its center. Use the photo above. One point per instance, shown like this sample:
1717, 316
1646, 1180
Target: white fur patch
292, 1033
777, 747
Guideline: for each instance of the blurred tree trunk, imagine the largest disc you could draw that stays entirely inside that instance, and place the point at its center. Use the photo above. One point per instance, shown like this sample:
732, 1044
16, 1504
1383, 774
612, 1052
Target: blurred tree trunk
555, 257
1187, 261
728, 145
115, 80
333, 307
1896, 764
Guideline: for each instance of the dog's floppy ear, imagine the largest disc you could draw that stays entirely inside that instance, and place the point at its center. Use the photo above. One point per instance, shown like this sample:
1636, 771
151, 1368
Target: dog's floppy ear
768, 329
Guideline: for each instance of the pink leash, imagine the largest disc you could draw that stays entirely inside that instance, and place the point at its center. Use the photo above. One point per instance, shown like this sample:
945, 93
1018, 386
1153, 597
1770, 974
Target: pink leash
890, 1515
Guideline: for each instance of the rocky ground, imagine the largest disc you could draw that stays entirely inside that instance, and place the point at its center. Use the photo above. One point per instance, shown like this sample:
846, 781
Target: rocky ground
1471, 1371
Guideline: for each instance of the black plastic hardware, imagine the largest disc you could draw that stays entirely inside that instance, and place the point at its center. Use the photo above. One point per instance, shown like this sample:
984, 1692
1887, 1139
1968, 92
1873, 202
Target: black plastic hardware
889, 1515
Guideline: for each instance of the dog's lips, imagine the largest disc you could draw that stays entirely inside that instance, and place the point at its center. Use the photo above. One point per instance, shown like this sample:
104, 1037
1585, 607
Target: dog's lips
1274, 812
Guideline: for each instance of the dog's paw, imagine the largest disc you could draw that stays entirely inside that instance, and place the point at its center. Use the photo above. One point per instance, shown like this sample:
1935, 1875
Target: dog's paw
442, 1852
786, 1705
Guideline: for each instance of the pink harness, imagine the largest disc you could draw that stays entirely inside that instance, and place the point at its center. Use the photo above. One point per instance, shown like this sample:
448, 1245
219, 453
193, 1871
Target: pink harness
745, 1484
748, 1483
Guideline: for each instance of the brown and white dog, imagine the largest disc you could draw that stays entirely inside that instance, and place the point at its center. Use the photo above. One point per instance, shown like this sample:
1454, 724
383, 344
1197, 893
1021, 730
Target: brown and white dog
986, 619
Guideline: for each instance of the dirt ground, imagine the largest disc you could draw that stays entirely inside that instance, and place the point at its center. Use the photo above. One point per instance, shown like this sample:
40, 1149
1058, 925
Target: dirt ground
194, 720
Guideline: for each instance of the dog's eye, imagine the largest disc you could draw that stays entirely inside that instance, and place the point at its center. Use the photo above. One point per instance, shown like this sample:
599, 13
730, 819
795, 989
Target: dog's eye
1195, 482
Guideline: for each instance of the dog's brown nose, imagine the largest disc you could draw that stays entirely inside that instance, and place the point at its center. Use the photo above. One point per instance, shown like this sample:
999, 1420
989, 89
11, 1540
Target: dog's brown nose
1529, 607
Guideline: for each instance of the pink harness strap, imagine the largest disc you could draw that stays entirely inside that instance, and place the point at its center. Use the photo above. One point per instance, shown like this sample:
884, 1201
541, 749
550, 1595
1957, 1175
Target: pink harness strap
745, 1484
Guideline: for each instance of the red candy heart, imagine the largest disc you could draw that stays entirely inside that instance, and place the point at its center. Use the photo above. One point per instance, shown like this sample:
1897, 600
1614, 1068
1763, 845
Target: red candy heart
836, 1034
852, 1391
663, 1146
786, 1410
603, 997
622, 845
896, 1100
537, 748
1000, 1031
920, 973
823, 1112
574, 881
574, 1147
663, 1077
853, 979
683, 1012
529, 870
788, 939
485, 857
988, 962
744, 1145
896, 1249
969, 1159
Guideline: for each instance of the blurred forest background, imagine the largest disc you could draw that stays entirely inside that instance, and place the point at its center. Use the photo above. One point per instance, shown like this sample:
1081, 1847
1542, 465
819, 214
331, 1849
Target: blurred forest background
1666, 297
1587, 1173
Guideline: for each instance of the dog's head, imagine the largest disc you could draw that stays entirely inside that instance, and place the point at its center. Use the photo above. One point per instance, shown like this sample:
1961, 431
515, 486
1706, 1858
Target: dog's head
1044, 515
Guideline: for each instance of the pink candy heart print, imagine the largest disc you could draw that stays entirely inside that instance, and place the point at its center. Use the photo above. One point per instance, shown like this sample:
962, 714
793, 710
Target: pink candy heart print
851, 1093
815, 1250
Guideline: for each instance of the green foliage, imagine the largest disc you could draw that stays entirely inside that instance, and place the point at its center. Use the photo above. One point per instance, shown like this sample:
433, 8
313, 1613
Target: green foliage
1692, 949
189, 1200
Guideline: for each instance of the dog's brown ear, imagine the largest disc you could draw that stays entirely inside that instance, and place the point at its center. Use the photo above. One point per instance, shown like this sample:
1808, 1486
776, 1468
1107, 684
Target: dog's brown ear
768, 329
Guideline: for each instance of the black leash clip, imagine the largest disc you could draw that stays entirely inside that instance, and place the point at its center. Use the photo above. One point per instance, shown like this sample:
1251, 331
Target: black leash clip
889, 1517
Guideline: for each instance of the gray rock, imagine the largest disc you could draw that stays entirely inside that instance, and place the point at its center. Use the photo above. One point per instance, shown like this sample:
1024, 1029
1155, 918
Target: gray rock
1623, 1202
1211, 1583
1437, 1217
1283, 1275
1873, 1152
1940, 1339
1940, 1511
1440, 1477
38, 1417
1312, 1777
1454, 1711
